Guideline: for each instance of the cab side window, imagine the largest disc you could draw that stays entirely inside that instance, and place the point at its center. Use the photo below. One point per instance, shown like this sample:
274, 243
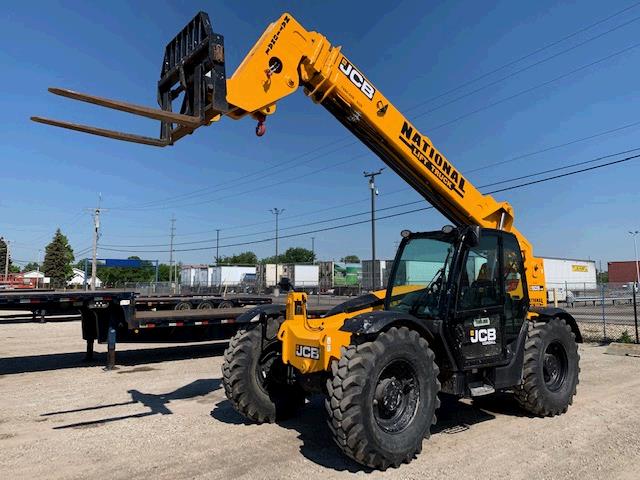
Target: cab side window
480, 283
515, 307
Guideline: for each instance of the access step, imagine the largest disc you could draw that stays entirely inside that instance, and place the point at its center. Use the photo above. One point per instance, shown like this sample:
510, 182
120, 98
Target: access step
480, 390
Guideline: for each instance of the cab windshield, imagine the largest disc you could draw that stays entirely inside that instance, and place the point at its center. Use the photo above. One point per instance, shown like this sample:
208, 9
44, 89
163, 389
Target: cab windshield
420, 276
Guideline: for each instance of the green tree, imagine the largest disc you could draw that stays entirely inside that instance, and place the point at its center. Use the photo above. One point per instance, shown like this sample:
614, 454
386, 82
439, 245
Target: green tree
117, 276
350, 259
30, 266
244, 258
58, 258
3, 255
292, 255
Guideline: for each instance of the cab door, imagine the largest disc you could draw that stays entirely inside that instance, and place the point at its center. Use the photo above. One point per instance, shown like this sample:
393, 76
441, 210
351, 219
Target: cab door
479, 315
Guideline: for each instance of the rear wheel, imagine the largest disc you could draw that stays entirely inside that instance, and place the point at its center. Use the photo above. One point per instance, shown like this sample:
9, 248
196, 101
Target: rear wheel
225, 304
382, 398
255, 379
551, 369
183, 306
206, 305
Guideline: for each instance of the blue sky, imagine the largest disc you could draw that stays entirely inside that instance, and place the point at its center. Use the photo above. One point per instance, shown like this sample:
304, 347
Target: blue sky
413, 51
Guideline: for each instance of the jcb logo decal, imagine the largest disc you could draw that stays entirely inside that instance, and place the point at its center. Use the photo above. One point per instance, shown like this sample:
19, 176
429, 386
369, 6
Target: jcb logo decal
485, 336
306, 351
357, 78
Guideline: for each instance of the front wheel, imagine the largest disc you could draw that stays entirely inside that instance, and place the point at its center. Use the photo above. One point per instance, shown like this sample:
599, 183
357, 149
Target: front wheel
551, 368
255, 378
382, 398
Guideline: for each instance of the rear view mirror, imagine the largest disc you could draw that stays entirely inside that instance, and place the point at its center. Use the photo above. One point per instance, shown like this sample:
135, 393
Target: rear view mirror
472, 235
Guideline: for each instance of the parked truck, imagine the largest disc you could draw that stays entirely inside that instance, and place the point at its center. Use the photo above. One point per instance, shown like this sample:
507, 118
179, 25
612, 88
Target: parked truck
302, 277
340, 278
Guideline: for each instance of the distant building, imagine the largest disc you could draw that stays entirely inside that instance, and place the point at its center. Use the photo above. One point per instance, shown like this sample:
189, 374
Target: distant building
622, 271
78, 279
37, 276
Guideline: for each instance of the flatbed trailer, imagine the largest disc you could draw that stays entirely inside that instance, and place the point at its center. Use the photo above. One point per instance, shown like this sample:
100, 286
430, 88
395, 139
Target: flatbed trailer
199, 301
108, 316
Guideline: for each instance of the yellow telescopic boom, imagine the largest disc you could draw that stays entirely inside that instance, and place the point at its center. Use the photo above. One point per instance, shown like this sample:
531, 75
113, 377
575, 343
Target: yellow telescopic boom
286, 57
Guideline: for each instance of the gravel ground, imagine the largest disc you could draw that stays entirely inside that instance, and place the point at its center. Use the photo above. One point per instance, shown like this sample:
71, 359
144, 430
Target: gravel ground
163, 414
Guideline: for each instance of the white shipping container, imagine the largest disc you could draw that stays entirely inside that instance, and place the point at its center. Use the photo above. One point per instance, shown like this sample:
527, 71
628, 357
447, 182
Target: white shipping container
567, 274
229, 275
194, 275
302, 276
267, 274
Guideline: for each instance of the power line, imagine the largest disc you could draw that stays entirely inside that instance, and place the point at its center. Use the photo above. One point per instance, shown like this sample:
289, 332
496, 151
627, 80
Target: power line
530, 89
535, 64
566, 174
233, 183
524, 57
468, 114
546, 149
236, 182
254, 189
334, 207
400, 213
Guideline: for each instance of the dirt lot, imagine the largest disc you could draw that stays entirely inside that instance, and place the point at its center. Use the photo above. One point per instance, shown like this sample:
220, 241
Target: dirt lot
164, 414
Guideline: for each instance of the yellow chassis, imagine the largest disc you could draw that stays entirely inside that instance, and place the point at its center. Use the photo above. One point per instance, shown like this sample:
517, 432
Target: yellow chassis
310, 344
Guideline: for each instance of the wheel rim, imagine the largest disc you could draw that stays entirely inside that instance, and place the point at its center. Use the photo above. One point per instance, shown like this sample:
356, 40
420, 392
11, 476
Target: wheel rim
396, 396
270, 370
555, 366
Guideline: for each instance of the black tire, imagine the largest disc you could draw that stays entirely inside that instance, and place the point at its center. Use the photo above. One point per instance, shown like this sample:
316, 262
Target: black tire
367, 428
254, 379
206, 305
183, 306
226, 304
551, 369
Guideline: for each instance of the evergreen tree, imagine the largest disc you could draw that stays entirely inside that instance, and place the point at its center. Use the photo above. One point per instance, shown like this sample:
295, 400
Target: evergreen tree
3, 256
57, 260
30, 267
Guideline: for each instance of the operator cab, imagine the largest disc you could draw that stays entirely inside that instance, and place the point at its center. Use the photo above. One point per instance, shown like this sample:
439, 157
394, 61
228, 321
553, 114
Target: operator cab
466, 284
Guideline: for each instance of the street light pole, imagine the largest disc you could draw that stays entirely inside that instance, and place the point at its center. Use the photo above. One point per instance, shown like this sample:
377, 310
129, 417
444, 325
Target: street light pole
374, 192
634, 234
277, 212
313, 249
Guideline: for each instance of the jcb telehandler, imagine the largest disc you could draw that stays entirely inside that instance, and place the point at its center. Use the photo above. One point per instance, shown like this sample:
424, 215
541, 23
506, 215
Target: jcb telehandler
465, 311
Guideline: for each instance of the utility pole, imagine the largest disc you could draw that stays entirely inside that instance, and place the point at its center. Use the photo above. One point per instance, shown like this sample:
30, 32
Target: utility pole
217, 246
277, 212
634, 234
94, 253
171, 235
313, 249
96, 237
38, 269
374, 192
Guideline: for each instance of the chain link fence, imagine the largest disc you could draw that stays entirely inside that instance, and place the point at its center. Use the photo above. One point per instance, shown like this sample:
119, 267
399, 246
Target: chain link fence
605, 312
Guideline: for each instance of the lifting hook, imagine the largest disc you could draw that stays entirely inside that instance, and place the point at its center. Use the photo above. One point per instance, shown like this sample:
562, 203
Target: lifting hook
261, 128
